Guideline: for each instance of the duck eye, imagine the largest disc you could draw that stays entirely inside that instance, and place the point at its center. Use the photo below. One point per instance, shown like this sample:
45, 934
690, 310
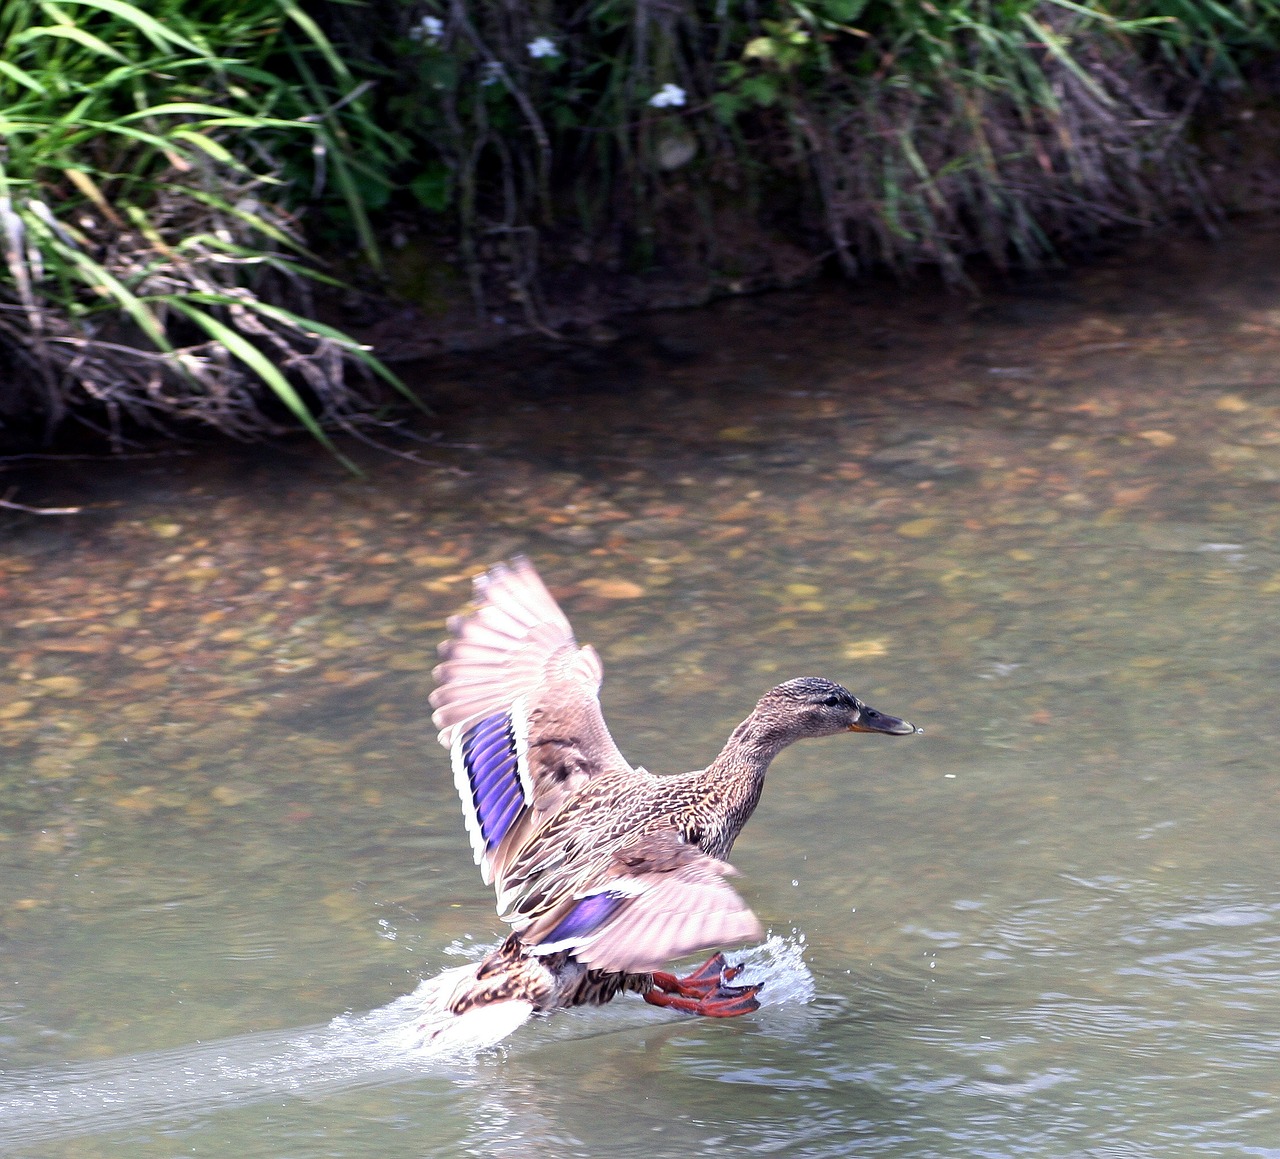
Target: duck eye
832, 702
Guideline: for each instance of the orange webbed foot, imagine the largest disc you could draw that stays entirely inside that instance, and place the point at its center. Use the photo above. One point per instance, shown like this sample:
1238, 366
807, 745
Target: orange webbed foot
722, 1002
704, 991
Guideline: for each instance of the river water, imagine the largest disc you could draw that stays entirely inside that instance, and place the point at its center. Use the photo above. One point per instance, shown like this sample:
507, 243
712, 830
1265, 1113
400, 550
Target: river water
1042, 525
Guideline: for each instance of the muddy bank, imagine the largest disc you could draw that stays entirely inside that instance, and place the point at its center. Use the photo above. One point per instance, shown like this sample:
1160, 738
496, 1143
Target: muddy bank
429, 309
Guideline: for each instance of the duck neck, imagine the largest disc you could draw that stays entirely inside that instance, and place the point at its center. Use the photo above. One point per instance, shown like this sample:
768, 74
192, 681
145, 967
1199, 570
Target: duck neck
735, 779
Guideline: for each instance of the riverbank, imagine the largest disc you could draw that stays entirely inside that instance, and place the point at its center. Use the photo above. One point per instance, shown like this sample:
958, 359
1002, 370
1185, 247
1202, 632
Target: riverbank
481, 172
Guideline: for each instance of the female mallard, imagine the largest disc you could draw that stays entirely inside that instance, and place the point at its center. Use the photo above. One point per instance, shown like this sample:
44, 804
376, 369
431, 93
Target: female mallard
604, 871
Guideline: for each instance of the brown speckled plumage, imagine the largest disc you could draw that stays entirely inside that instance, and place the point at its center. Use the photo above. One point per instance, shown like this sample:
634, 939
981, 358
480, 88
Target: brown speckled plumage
604, 871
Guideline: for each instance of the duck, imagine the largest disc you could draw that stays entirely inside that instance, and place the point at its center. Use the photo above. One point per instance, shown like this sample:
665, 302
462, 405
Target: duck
605, 872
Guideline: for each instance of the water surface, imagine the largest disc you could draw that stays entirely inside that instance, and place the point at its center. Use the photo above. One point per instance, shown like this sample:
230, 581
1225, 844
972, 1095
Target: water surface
1043, 526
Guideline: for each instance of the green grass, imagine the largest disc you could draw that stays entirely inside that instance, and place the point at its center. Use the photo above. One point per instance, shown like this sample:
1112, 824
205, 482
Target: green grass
885, 131
159, 162
149, 207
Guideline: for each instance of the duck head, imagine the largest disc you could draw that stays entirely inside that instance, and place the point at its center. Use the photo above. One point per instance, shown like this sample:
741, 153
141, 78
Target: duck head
814, 706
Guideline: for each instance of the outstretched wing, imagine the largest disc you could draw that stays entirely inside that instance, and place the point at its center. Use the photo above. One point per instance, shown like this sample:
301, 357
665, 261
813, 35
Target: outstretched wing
516, 703
659, 899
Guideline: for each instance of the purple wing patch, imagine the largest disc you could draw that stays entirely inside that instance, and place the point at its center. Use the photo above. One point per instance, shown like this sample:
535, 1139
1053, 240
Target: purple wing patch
490, 760
588, 915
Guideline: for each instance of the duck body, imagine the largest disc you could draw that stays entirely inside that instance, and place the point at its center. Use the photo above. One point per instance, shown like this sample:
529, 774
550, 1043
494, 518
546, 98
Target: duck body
604, 871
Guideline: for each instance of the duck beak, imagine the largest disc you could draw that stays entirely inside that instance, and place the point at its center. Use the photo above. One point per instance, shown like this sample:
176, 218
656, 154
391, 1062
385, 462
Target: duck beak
869, 720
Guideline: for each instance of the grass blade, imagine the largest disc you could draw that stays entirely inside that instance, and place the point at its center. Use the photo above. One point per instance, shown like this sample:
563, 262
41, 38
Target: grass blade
239, 346
14, 73
69, 32
162, 37
310, 325
1054, 44
101, 281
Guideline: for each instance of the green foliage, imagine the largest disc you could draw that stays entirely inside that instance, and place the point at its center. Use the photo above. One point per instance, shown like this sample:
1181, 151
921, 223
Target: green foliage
146, 180
912, 132
157, 158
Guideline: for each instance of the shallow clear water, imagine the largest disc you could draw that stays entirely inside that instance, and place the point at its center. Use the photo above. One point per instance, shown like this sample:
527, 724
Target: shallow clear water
1043, 526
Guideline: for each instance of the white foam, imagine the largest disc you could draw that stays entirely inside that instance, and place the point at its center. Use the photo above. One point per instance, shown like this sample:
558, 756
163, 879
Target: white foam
778, 966
411, 1036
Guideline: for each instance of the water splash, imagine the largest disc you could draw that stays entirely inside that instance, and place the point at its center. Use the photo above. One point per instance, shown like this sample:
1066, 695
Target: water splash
118, 1094
778, 966
410, 1037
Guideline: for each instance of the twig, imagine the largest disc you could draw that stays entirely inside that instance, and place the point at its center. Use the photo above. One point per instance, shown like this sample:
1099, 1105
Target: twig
32, 456
11, 506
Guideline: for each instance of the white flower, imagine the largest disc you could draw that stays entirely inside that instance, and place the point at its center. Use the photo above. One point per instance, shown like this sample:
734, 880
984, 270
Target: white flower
542, 46
668, 97
429, 28
491, 72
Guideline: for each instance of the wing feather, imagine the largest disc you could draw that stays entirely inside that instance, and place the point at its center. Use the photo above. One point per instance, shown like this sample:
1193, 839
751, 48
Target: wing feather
675, 901
516, 703
681, 917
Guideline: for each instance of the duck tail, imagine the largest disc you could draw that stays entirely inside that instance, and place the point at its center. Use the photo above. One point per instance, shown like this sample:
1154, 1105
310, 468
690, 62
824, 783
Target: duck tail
459, 1013
474, 1006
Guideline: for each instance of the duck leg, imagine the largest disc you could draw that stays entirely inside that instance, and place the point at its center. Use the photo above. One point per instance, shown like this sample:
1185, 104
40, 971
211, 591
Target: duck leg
698, 984
705, 991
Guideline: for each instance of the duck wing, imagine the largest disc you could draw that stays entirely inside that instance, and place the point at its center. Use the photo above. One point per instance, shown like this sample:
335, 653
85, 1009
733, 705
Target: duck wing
656, 899
517, 705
